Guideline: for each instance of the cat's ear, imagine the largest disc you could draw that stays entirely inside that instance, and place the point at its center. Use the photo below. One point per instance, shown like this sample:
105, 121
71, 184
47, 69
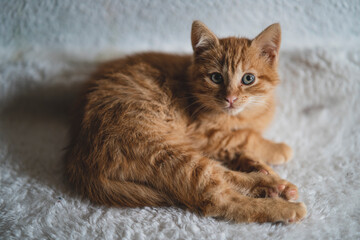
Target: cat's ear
268, 42
202, 38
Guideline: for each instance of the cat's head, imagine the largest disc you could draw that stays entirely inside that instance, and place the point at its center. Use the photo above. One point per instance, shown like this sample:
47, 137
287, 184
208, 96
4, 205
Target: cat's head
234, 75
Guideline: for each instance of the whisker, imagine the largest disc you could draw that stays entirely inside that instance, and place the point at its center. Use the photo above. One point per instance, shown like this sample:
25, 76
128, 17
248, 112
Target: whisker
198, 111
259, 101
196, 101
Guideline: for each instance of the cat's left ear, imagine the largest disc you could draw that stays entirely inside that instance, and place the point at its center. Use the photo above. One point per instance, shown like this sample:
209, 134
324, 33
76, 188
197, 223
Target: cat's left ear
268, 42
202, 38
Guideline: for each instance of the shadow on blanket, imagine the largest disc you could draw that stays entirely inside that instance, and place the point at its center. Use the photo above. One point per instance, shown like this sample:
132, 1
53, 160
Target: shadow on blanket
35, 123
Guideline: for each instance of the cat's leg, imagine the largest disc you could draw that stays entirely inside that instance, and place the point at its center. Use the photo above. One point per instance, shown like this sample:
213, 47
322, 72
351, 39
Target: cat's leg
203, 185
244, 163
263, 187
247, 151
176, 174
199, 182
126, 194
241, 208
252, 145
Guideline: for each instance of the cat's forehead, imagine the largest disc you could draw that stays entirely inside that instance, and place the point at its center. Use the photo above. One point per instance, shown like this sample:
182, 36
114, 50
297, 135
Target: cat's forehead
235, 54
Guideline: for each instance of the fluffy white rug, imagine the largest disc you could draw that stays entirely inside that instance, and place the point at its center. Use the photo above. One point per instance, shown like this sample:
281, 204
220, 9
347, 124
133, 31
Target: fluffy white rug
318, 115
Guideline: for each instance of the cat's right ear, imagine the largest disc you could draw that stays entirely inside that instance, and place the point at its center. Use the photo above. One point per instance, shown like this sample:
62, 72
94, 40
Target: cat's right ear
202, 38
268, 43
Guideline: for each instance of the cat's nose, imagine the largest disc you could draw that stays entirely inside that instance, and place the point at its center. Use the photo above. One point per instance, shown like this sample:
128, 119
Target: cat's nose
231, 99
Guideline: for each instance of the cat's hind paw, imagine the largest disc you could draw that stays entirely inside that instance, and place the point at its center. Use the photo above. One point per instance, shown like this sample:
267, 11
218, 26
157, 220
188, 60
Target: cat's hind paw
272, 186
295, 213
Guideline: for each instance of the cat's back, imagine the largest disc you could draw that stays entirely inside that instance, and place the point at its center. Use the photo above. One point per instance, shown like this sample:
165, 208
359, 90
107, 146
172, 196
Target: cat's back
148, 68
130, 88
136, 80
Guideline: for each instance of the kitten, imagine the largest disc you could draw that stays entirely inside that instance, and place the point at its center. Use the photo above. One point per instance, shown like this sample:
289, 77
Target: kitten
157, 129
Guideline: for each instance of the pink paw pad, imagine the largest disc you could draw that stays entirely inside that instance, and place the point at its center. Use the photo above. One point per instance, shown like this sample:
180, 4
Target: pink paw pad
281, 187
291, 220
273, 193
292, 194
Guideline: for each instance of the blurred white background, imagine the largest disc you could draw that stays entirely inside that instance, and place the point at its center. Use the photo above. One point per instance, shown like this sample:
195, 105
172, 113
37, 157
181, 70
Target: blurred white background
129, 25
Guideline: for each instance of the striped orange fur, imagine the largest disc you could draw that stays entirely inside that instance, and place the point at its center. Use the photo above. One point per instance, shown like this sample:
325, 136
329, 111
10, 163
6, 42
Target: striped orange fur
156, 129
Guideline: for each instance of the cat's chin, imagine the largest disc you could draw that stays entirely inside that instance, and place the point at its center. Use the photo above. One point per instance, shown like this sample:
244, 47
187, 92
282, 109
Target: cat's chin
234, 111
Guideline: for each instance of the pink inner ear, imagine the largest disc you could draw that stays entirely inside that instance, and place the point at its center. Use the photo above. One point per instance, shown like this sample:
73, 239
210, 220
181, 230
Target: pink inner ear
269, 51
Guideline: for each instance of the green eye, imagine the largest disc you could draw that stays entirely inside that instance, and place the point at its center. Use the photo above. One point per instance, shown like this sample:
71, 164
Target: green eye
248, 79
216, 78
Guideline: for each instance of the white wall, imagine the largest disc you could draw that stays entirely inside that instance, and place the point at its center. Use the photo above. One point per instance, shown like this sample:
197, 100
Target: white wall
131, 25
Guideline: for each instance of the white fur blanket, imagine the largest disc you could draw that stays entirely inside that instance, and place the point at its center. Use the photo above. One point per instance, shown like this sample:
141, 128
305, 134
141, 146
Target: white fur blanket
318, 115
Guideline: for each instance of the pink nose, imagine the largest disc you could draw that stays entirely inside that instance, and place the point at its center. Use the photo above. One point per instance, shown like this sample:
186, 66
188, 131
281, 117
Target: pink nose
231, 99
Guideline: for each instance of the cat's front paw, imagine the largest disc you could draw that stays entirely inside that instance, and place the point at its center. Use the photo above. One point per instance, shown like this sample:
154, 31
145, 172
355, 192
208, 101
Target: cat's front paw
278, 153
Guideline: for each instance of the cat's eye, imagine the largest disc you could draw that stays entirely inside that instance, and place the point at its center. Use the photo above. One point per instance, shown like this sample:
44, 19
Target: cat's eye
248, 79
216, 78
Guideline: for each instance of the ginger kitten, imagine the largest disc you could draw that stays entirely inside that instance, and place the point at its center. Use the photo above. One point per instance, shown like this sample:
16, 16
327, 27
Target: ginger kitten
157, 129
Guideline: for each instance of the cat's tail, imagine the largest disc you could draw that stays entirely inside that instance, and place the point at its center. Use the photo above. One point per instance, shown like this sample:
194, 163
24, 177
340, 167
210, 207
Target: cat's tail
126, 194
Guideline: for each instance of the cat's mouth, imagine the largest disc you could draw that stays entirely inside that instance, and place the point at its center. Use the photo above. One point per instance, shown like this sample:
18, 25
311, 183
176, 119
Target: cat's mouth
234, 110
